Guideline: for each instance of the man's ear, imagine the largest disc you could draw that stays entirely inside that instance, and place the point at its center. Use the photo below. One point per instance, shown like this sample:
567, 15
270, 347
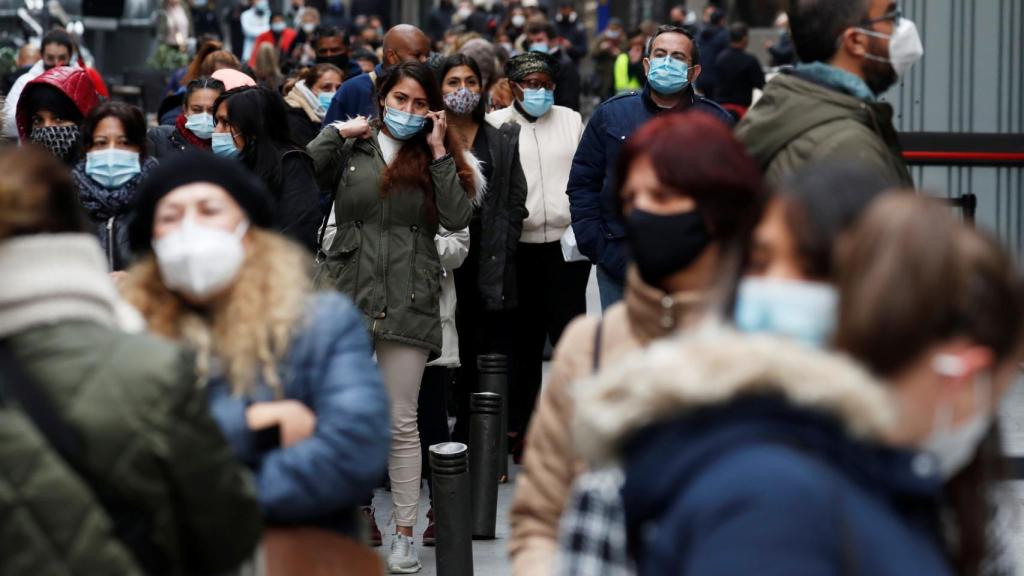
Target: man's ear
647, 65
694, 74
854, 43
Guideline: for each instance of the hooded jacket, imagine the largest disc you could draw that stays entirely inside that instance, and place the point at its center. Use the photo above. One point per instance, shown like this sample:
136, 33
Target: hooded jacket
799, 122
550, 464
752, 454
379, 250
72, 82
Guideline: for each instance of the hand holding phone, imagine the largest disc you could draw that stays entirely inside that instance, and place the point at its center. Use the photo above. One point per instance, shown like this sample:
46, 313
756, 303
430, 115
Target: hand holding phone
438, 127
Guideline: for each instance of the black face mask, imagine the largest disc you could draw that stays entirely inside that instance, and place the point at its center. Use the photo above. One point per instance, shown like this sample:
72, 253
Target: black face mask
662, 245
340, 60
61, 141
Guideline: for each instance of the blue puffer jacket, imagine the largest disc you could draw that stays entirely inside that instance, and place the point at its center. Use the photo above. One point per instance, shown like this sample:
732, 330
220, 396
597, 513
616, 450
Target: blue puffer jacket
752, 455
330, 369
599, 230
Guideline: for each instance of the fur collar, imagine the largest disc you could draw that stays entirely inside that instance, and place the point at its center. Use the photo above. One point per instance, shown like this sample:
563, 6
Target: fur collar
479, 181
711, 366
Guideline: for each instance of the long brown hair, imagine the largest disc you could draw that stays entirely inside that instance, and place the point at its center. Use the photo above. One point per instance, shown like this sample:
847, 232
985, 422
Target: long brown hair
37, 194
912, 275
410, 170
204, 50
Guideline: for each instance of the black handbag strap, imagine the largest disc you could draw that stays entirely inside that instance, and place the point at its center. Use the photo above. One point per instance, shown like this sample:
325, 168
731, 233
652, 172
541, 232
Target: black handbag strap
598, 333
131, 525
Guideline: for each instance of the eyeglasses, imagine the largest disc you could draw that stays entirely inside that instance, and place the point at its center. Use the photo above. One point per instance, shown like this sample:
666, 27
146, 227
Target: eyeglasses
896, 15
536, 85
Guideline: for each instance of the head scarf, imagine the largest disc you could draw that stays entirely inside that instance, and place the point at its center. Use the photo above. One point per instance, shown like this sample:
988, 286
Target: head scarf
518, 68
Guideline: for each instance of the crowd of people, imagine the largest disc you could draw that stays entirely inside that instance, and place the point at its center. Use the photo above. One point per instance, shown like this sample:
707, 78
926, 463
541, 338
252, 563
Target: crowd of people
235, 320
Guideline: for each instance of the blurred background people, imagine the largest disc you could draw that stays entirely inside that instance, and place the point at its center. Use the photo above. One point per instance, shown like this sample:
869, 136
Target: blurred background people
108, 178
117, 457
541, 37
287, 373
174, 25
280, 36
254, 22
739, 73
56, 48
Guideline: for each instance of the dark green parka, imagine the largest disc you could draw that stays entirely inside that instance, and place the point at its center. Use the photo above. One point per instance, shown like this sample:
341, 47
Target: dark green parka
379, 250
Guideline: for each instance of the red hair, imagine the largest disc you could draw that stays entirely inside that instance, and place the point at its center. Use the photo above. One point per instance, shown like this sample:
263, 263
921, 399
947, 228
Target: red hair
696, 154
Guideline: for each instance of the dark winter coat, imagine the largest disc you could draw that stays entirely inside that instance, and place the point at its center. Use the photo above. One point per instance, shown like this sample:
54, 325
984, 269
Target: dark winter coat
380, 250
302, 129
329, 367
297, 198
568, 87
599, 231
163, 141
755, 455
501, 215
111, 212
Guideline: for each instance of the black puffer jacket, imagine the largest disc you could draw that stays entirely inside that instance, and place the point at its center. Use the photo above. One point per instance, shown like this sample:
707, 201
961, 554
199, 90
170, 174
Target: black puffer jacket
501, 219
111, 211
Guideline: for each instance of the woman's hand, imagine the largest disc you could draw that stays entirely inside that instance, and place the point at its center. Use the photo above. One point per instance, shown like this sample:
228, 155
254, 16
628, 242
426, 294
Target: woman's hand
436, 137
358, 127
297, 422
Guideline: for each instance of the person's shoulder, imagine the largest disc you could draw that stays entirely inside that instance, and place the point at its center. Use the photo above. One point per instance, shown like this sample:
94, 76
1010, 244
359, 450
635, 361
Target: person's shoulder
620, 102
362, 82
566, 114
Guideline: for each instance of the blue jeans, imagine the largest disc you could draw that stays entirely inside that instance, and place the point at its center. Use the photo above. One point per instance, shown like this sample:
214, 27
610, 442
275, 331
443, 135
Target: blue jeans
611, 289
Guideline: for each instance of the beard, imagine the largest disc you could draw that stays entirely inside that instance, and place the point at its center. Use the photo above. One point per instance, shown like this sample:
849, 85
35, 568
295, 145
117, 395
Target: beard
879, 76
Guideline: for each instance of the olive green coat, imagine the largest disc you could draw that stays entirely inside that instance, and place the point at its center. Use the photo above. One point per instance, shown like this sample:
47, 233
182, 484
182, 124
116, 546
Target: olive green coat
146, 433
798, 122
382, 252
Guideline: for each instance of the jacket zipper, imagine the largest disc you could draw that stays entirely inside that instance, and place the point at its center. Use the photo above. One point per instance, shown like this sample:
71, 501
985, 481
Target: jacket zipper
110, 241
543, 192
412, 264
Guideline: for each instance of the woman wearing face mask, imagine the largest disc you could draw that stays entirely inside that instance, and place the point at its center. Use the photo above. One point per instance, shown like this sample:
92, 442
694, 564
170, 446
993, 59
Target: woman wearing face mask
551, 291
395, 183
280, 36
51, 109
485, 284
252, 127
788, 290
309, 100
689, 226
811, 462
288, 373
194, 127
109, 177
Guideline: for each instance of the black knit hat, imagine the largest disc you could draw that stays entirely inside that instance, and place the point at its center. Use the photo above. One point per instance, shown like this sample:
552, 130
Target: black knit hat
189, 168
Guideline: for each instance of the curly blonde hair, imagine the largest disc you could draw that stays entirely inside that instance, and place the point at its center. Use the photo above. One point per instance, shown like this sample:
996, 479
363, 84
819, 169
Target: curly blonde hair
249, 329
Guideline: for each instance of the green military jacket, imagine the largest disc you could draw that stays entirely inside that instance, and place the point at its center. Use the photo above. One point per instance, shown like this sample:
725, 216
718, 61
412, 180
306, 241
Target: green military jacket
381, 250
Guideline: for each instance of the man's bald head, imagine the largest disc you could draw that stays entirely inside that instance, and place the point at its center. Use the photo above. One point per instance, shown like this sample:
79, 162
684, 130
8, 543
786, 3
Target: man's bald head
405, 43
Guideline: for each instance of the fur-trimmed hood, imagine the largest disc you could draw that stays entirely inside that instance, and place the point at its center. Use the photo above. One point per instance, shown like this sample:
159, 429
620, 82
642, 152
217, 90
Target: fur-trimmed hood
711, 366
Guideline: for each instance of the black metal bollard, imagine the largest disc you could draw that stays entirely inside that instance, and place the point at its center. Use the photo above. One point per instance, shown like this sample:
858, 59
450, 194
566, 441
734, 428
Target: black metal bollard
484, 432
493, 370
449, 465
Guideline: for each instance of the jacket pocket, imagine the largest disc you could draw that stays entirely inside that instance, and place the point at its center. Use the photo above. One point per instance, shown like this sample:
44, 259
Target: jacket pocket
424, 279
340, 267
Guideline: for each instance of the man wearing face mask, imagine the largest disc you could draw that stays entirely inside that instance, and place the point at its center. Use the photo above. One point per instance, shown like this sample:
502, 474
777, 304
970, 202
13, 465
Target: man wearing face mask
671, 67
331, 47
57, 48
827, 108
403, 43
255, 21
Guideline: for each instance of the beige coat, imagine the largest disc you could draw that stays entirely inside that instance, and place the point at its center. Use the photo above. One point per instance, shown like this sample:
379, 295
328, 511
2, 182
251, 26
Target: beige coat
549, 463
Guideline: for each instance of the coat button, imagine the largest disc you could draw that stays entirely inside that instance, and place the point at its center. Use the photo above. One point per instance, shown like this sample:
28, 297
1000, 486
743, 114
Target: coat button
414, 228
359, 223
351, 168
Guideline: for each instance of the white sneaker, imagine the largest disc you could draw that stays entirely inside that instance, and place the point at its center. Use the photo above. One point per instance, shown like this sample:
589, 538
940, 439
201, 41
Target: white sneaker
403, 558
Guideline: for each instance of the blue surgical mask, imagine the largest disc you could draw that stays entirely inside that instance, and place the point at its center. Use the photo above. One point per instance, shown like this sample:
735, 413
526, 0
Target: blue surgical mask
112, 168
200, 124
667, 75
802, 311
540, 47
538, 102
277, 27
325, 99
402, 125
224, 145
